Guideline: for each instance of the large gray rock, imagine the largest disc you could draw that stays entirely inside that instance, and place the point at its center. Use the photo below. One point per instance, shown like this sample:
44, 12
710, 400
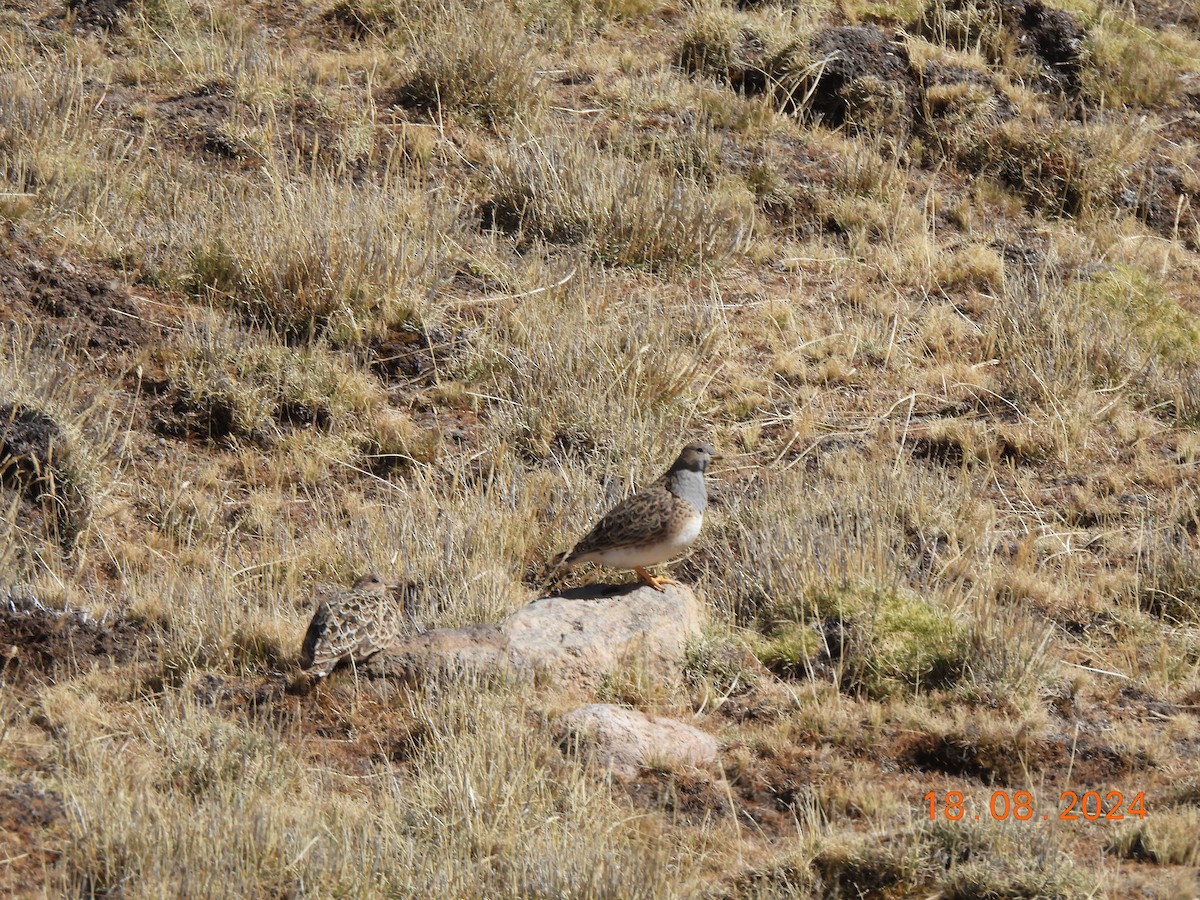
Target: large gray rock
581, 636
573, 640
624, 740
474, 650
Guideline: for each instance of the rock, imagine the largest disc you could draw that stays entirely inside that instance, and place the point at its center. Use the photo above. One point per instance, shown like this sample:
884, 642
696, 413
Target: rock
581, 636
575, 639
476, 649
625, 740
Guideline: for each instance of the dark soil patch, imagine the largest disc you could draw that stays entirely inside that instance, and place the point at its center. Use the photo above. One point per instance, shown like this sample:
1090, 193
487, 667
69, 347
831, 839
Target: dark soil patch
196, 120
1162, 14
1092, 761
239, 694
308, 134
866, 81
944, 449
807, 174
32, 448
210, 414
765, 792
30, 819
36, 460
939, 112
80, 305
743, 65
303, 415
769, 788
1000, 26
1161, 196
864, 78
180, 416
460, 427
780, 880
755, 705
688, 798
38, 641
877, 873
25, 807
1134, 702
102, 14
348, 728
257, 697
413, 355
1053, 34
354, 729
990, 759
359, 21
1008, 759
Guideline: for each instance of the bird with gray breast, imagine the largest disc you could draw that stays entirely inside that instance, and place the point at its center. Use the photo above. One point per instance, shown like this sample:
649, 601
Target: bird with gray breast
356, 624
654, 525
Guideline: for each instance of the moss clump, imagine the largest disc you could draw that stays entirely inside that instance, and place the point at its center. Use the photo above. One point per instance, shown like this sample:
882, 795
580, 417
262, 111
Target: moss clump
789, 649
1167, 331
905, 642
876, 639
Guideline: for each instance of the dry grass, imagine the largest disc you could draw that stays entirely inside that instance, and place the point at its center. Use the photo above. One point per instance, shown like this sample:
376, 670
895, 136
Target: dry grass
174, 797
627, 213
430, 287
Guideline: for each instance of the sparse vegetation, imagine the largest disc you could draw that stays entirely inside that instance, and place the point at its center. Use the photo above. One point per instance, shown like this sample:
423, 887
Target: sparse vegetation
625, 212
293, 291
472, 62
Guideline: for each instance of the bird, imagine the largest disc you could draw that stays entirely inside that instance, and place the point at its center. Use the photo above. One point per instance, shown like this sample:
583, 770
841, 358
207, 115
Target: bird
356, 624
654, 525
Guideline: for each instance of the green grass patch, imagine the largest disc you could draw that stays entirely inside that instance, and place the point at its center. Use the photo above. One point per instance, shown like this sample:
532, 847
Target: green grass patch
1168, 331
878, 640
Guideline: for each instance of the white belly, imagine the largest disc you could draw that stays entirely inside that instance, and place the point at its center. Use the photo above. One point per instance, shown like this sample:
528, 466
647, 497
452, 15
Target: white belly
651, 554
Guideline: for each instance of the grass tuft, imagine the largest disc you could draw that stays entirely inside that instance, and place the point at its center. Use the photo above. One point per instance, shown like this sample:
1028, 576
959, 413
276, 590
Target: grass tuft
624, 212
476, 63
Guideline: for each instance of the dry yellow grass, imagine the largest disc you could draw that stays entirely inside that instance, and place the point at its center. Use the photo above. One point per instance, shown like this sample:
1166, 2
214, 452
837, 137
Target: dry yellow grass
313, 289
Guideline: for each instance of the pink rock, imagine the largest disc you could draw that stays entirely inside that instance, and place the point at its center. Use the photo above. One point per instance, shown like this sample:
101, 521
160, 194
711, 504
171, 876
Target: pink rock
625, 740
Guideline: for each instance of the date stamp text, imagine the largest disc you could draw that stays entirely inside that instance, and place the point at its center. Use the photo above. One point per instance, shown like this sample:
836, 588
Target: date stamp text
1090, 806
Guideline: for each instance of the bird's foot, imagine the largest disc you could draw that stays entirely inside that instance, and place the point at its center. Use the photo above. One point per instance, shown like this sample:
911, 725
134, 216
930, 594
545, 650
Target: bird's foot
656, 583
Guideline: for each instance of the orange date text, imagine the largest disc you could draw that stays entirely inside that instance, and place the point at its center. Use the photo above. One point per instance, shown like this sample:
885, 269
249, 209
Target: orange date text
1072, 806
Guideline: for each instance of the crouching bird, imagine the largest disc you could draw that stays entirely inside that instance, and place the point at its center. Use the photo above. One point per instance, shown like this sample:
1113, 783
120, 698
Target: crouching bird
356, 624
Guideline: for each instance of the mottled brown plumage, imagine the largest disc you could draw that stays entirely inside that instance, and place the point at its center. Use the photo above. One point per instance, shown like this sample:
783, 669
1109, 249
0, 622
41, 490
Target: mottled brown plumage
356, 624
655, 524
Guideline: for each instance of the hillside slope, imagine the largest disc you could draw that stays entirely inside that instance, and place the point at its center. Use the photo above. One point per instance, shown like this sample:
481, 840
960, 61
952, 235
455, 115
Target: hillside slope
293, 291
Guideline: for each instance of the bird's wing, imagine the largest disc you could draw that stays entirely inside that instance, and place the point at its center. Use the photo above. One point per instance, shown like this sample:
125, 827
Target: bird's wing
336, 630
639, 519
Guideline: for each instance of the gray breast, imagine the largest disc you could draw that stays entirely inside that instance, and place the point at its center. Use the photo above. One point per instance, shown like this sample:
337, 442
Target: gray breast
688, 484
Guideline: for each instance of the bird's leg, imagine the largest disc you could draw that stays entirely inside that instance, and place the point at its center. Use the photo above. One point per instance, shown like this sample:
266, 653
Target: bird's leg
656, 583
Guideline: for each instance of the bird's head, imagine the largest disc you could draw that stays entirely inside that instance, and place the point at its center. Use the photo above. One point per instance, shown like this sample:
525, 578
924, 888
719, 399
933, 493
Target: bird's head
370, 582
695, 457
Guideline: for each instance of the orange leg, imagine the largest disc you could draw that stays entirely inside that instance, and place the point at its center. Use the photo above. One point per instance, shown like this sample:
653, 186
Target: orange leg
656, 583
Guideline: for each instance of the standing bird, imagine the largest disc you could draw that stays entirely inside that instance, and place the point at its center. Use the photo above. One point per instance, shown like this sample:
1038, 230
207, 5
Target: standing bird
654, 525
356, 624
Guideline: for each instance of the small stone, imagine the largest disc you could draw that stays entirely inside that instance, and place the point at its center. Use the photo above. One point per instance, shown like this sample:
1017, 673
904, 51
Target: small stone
626, 740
